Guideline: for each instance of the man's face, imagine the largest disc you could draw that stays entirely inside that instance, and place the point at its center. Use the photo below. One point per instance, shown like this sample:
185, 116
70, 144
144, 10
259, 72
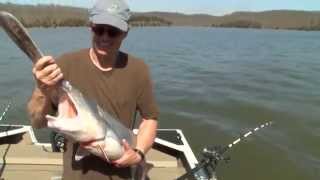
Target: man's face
106, 40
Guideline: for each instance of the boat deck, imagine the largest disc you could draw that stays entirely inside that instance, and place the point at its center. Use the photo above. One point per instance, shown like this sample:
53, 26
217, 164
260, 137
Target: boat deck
22, 159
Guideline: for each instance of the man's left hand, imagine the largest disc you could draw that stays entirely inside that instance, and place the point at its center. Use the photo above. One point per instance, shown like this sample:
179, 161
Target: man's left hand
129, 157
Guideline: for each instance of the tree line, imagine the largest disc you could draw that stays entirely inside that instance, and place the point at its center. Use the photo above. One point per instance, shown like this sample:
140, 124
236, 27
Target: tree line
57, 16
47, 15
313, 25
149, 21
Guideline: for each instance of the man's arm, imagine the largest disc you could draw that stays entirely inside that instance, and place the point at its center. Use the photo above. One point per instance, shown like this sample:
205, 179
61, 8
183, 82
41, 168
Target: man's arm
146, 135
38, 106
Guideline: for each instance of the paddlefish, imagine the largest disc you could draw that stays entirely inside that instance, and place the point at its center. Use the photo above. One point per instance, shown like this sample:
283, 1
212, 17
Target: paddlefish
86, 122
79, 118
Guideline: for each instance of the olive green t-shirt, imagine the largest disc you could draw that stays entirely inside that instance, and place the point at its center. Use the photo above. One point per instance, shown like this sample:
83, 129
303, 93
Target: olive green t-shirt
121, 91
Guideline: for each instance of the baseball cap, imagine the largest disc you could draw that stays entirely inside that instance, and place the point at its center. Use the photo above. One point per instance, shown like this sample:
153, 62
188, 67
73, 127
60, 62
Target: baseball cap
115, 13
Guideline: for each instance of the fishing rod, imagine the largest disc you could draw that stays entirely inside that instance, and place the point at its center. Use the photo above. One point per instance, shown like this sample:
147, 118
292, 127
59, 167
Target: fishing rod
212, 155
5, 111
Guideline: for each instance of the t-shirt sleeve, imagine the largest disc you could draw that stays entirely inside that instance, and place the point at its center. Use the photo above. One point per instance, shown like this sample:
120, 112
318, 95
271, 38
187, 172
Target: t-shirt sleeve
146, 103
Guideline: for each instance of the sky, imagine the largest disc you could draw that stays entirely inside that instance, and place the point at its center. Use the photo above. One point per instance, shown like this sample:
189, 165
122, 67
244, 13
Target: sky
213, 7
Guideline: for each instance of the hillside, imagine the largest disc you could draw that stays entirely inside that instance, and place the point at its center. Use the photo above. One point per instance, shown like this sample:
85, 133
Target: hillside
276, 19
52, 16
280, 19
179, 19
47, 15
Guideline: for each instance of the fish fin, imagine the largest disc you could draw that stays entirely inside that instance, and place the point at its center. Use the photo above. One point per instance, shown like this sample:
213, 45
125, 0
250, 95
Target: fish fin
51, 121
80, 154
64, 125
51, 118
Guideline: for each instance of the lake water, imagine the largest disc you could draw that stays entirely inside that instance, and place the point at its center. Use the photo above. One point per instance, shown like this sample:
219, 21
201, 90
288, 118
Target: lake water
214, 84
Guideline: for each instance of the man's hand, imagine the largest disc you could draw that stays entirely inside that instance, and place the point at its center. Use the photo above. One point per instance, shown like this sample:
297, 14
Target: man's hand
47, 74
129, 157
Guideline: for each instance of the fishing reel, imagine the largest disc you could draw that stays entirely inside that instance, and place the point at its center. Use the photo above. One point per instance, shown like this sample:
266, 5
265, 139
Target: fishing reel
57, 141
211, 156
214, 154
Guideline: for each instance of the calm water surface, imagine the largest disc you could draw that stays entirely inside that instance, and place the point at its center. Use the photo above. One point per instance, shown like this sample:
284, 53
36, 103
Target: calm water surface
214, 84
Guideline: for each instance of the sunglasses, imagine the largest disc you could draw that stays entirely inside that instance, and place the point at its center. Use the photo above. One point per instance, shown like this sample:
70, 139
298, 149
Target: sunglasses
100, 30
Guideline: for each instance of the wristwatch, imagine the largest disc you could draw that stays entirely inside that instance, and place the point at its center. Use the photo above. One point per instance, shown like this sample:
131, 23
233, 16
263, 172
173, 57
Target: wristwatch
141, 154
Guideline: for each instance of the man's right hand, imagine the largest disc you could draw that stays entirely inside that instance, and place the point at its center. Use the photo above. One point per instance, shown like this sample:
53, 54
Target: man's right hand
47, 74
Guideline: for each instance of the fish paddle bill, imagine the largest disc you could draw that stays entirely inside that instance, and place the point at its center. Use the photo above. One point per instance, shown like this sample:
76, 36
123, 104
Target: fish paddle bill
20, 36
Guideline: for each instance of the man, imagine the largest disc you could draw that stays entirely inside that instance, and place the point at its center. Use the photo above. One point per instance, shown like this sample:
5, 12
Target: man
118, 82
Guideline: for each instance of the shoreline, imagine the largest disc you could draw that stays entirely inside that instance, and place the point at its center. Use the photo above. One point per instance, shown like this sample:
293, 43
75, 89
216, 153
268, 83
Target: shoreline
185, 26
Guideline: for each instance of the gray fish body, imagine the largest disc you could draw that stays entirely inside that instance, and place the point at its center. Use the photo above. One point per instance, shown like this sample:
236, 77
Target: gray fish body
91, 122
86, 106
